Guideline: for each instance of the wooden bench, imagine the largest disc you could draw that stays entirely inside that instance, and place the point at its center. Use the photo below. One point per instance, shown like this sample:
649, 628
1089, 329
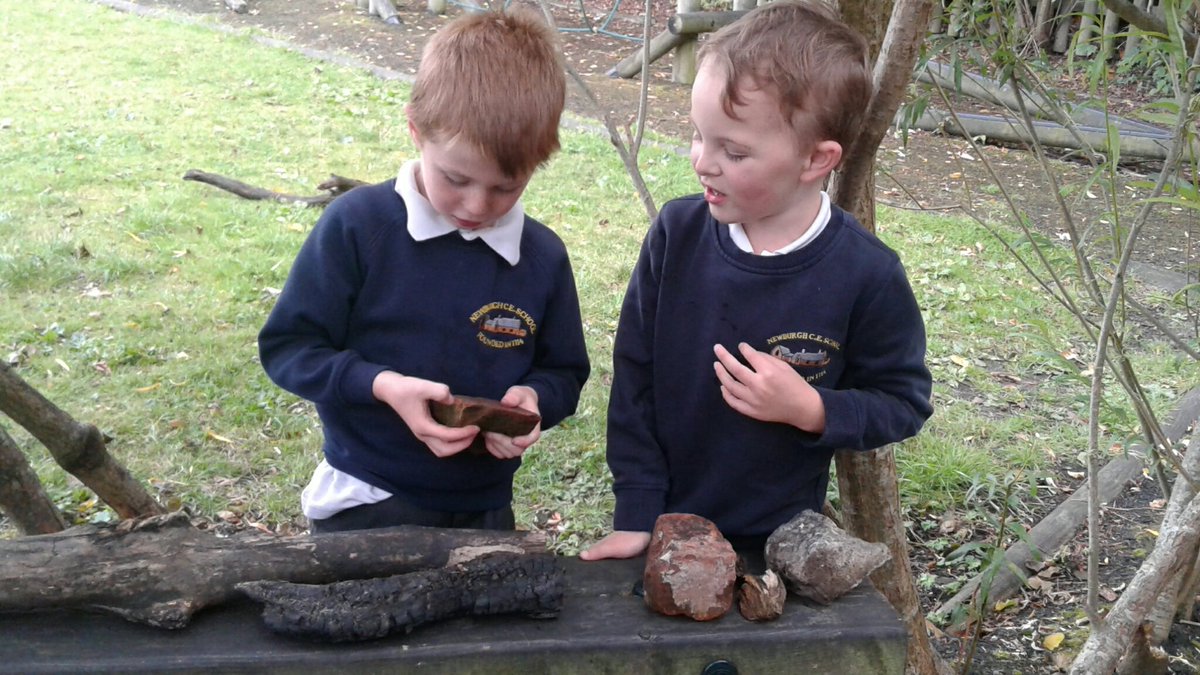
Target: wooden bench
603, 628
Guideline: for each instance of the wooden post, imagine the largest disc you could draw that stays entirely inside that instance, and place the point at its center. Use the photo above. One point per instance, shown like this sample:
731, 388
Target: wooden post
1087, 27
1066, 19
683, 69
1108, 41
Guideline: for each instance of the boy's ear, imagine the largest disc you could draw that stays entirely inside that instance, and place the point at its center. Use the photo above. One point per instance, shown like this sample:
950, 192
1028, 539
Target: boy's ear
413, 133
823, 159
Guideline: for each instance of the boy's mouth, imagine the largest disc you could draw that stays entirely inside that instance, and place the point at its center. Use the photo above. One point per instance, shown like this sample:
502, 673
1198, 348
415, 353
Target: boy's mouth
713, 197
469, 224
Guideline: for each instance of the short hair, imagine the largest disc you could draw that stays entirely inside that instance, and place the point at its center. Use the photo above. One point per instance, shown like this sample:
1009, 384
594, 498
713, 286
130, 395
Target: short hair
496, 80
804, 54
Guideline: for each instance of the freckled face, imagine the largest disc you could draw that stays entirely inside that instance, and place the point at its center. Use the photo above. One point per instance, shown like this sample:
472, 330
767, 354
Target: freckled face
463, 185
751, 166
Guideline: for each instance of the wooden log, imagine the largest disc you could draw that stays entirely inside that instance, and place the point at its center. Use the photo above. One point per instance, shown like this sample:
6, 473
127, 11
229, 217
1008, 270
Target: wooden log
122, 569
351, 611
661, 44
693, 23
78, 448
22, 497
1049, 134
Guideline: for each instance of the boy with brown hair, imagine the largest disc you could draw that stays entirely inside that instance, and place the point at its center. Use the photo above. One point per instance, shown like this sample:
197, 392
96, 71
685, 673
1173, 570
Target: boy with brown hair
761, 266
437, 283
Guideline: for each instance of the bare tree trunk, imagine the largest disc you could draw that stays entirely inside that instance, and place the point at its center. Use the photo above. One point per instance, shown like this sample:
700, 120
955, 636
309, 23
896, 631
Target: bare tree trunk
22, 498
123, 569
867, 480
1168, 603
1109, 641
78, 448
871, 511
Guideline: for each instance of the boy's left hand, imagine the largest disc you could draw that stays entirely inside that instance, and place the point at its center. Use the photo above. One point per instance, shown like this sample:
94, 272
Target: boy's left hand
505, 447
768, 390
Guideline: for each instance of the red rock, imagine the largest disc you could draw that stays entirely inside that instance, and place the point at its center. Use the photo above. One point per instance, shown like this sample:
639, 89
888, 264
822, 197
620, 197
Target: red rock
691, 569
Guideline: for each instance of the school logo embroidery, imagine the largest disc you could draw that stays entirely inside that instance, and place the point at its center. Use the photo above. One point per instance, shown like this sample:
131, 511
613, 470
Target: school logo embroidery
808, 353
500, 325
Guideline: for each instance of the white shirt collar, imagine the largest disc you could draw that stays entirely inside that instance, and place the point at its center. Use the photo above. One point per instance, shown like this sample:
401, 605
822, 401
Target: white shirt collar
738, 235
425, 223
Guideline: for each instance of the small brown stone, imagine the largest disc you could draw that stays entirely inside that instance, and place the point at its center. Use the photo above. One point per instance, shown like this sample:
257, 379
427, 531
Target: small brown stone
487, 414
691, 569
761, 598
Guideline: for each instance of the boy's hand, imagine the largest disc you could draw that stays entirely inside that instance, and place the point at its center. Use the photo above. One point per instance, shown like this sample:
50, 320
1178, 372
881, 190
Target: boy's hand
768, 390
410, 397
505, 447
619, 544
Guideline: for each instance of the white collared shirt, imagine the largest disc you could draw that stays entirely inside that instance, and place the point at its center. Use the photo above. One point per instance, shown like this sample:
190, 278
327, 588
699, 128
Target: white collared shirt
424, 223
738, 235
329, 490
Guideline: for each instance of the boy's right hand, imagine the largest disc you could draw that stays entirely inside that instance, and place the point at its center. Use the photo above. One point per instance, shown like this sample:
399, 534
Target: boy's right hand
410, 397
619, 544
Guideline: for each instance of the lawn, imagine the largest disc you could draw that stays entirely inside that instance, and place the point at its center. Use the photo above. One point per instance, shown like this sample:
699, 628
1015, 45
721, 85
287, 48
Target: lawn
132, 298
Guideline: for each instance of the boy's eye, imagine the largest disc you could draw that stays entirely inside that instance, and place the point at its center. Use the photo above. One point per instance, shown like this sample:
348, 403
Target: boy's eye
459, 182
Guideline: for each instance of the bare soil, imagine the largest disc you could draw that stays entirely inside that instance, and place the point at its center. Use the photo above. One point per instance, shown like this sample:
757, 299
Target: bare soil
928, 171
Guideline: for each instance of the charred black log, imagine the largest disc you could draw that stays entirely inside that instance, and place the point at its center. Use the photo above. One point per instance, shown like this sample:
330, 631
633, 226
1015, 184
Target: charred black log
349, 611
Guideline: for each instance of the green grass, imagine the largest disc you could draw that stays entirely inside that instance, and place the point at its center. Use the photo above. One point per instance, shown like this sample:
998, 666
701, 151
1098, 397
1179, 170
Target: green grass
132, 298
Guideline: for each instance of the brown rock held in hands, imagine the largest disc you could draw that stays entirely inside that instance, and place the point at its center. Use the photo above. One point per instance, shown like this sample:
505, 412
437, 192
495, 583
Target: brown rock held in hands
487, 414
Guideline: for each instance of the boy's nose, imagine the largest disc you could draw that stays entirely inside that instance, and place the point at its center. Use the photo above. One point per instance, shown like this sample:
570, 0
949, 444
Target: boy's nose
700, 161
478, 204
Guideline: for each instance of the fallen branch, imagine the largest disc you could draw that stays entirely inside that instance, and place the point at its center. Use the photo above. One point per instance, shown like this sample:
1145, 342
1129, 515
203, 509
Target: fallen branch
349, 611
335, 185
122, 569
79, 449
22, 497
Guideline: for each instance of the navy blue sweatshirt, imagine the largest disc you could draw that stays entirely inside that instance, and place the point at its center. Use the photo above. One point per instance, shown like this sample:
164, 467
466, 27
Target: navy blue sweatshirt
839, 310
363, 297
